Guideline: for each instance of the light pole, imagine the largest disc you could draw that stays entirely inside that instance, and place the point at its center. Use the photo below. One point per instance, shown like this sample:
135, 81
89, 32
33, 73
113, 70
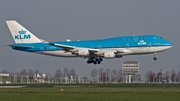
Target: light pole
14, 77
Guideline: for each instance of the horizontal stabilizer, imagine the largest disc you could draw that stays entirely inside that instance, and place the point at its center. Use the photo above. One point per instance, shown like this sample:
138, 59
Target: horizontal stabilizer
23, 47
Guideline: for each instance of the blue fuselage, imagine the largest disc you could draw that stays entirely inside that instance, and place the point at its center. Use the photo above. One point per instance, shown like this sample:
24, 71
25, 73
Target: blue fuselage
117, 42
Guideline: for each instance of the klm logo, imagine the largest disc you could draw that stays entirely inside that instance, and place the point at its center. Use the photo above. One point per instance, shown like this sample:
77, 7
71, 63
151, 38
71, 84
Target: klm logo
22, 35
141, 42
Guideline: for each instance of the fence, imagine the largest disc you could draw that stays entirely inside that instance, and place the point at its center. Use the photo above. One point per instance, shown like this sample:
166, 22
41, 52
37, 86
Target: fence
66, 80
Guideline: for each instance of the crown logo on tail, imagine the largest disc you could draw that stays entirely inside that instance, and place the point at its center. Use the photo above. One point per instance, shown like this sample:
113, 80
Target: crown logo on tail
22, 32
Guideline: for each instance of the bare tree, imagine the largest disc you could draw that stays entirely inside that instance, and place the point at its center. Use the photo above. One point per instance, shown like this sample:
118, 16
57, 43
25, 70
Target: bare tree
107, 73
58, 73
72, 72
17, 74
94, 73
48, 76
113, 74
146, 77
173, 75
178, 76
149, 76
119, 72
30, 72
119, 76
37, 71
166, 76
100, 73
5, 71
153, 76
65, 71
159, 76
23, 72
139, 77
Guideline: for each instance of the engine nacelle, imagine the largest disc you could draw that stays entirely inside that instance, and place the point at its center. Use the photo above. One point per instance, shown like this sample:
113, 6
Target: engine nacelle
83, 52
109, 55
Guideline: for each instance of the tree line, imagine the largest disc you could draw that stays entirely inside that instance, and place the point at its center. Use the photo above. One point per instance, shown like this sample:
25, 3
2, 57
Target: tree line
106, 75
168, 76
58, 73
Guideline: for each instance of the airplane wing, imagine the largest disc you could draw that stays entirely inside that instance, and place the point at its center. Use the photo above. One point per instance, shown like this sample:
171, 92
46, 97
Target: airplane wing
92, 51
63, 46
69, 48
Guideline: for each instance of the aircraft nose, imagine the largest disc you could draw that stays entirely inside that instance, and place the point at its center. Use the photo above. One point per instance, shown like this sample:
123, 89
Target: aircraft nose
169, 44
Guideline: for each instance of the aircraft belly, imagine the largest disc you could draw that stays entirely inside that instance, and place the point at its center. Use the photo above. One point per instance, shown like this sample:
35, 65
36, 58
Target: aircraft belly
59, 53
122, 51
144, 50
141, 50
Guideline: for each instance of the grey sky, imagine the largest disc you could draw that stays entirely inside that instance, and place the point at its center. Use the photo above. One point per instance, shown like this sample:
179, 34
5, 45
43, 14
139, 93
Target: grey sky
57, 20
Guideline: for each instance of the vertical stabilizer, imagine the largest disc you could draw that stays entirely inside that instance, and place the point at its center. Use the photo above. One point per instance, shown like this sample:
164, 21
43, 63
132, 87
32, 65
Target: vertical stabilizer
21, 34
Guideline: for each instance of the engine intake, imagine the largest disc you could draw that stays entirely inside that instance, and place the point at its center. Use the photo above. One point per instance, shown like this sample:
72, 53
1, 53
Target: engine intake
109, 55
83, 52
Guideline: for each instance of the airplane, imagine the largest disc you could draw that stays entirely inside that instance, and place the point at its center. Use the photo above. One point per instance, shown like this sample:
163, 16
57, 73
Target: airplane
92, 50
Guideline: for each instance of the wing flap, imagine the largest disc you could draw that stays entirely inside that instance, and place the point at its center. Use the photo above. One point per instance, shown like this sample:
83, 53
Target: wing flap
93, 50
63, 46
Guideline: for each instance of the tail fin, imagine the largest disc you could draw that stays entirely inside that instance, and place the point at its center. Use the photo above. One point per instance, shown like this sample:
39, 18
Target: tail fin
21, 34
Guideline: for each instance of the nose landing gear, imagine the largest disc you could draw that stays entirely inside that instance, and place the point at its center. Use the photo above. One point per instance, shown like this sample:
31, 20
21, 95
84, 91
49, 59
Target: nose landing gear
155, 57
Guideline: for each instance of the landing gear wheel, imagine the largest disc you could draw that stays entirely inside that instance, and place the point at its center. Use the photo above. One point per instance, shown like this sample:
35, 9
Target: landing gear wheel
99, 62
155, 58
96, 59
88, 62
95, 62
100, 59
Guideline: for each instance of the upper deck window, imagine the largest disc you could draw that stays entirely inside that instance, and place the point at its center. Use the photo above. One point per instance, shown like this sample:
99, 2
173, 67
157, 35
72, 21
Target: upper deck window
126, 39
143, 39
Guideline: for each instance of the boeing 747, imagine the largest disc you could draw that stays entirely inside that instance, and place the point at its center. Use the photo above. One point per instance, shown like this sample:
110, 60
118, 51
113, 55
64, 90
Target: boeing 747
94, 50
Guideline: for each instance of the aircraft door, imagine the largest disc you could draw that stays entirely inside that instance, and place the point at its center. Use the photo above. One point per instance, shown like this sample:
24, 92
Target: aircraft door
149, 45
135, 38
127, 45
99, 46
41, 49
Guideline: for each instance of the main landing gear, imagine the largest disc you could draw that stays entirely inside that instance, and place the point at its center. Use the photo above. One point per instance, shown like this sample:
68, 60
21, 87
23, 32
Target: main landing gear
155, 57
96, 60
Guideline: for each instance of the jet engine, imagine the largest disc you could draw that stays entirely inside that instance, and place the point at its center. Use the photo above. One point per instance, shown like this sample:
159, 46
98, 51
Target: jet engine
83, 52
109, 55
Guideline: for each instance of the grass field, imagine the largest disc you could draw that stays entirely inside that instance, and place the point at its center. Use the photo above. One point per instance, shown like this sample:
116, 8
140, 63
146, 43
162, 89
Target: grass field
90, 94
